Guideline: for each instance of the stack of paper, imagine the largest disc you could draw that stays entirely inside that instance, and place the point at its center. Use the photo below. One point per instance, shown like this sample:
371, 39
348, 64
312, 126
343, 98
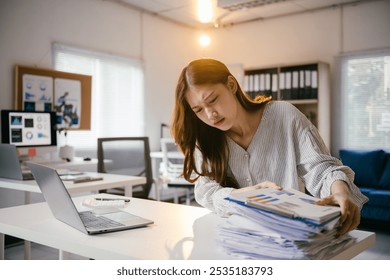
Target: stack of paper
290, 203
255, 233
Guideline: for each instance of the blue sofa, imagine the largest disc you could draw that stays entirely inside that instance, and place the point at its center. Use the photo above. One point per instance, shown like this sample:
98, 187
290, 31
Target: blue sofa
372, 176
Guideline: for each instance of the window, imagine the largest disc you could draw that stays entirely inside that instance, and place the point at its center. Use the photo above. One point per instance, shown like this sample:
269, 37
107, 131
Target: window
117, 93
365, 93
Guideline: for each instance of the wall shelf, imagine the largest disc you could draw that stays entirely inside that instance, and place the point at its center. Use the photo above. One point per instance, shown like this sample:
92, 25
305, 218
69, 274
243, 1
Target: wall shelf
306, 86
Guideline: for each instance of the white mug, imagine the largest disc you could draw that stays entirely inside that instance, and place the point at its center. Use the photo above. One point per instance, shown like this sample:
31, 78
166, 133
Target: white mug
67, 152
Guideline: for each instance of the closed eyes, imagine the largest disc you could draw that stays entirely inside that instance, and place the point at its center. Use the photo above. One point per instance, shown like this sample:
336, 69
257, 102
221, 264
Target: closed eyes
198, 110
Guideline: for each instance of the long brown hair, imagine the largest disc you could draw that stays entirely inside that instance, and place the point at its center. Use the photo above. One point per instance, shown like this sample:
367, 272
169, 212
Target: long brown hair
190, 132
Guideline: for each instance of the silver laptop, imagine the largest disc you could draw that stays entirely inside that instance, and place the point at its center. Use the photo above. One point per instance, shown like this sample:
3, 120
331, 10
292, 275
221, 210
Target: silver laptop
63, 208
10, 166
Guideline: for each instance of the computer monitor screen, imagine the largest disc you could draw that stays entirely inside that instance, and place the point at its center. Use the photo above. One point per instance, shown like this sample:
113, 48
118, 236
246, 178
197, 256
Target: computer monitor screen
28, 129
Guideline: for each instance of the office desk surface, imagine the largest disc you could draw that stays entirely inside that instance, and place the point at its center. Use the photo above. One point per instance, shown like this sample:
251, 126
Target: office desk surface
109, 181
76, 163
171, 154
179, 232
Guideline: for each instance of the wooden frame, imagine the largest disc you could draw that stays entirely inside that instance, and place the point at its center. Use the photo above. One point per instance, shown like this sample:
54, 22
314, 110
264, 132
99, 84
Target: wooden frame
86, 87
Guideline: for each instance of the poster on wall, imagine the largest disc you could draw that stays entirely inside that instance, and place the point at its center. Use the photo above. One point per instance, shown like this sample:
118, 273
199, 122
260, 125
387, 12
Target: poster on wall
67, 102
37, 93
67, 94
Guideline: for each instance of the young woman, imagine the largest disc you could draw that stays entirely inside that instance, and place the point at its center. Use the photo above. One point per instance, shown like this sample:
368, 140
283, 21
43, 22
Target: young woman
232, 144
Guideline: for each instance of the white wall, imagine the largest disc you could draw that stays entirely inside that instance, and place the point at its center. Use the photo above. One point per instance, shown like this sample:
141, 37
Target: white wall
305, 37
167, 49
28, 27
308, 37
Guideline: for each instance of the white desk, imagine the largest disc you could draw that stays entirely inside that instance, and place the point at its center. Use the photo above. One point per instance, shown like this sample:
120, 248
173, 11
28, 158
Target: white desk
109, 181
171, 154
76, 163
179, 232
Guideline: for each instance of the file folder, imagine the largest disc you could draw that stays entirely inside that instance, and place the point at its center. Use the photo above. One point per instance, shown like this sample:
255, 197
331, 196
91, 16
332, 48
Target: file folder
295, 83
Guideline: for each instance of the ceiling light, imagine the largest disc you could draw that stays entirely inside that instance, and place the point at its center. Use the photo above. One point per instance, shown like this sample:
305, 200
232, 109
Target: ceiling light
204, 40
236, 5
205, 10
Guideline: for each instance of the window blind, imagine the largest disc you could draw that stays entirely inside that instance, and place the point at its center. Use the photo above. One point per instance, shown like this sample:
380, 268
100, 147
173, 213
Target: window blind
117, 93
365, 91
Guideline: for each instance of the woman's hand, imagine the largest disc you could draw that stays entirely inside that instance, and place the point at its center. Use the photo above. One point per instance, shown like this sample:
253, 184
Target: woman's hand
350, 212
266, 184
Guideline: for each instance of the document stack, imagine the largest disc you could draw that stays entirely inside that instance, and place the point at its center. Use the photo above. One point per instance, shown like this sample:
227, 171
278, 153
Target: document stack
253, 232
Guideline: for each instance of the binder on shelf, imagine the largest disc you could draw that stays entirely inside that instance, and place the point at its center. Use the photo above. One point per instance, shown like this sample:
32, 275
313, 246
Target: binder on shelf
301, 91
274, 86
307, 91
294, 84
262, 83
314, 84
250, 85
282, 85
286, 83
306, 96
267, 84
256, 83
288, 90
259, 82
291, 90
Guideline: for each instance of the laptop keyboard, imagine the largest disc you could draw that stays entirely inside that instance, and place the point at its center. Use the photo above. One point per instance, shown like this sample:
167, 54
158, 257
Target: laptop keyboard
97, 222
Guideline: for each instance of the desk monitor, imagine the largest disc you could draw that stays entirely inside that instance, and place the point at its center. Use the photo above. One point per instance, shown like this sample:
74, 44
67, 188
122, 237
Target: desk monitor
28, 130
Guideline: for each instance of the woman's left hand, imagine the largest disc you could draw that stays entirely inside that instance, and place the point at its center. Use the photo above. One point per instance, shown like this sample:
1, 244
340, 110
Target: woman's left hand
350, 212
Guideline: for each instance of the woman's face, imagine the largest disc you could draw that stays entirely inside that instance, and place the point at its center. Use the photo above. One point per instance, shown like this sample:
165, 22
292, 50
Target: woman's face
214, 104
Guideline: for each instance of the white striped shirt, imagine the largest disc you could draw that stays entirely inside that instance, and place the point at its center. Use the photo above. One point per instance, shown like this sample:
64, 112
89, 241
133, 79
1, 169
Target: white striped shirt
287, 150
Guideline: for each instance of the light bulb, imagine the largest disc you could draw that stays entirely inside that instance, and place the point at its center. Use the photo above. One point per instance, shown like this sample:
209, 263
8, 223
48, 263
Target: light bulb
205, 10
204, 40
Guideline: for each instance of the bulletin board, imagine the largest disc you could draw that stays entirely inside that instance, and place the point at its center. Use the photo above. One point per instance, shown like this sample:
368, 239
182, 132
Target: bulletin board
67, 94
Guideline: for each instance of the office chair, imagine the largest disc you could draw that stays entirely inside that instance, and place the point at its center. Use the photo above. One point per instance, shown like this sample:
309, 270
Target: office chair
171, 169
128, 156
164, 130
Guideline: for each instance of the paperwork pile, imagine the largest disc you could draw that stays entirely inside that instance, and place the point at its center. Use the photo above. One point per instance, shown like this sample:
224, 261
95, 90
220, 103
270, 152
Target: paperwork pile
287, 202
255, 233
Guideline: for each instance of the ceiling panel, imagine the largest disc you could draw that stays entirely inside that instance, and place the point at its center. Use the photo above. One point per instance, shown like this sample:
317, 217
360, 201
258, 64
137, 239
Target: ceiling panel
148, 5
184, 11
265, 11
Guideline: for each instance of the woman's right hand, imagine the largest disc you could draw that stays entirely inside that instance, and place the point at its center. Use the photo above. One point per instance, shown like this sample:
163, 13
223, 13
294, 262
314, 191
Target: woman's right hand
265, 184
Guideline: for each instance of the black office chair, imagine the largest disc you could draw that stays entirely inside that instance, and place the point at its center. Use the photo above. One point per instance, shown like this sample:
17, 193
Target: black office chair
126, 156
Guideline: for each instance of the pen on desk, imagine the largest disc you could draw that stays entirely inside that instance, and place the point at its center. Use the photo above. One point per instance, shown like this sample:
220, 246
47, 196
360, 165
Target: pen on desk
86, 179
113, 199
